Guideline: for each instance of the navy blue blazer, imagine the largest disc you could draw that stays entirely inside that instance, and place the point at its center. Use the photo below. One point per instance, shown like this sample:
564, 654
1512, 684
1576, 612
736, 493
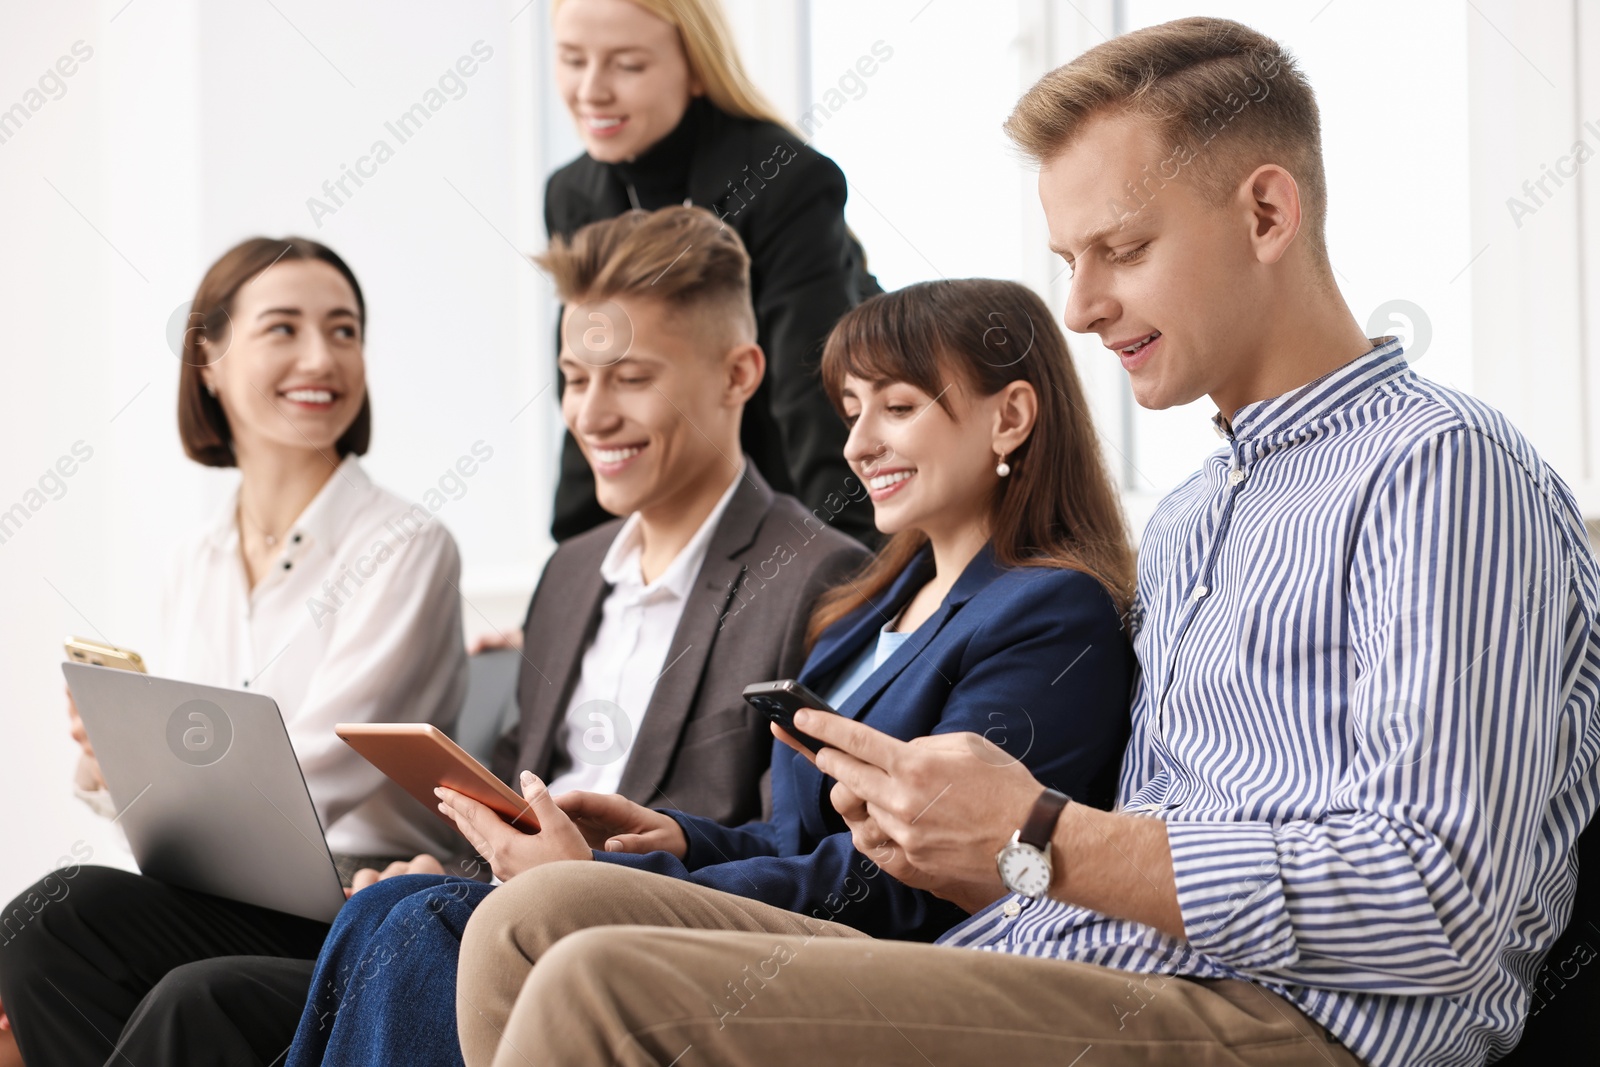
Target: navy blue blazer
1034, 658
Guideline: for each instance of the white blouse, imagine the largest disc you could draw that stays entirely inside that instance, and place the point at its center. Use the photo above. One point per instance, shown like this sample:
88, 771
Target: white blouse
358, 620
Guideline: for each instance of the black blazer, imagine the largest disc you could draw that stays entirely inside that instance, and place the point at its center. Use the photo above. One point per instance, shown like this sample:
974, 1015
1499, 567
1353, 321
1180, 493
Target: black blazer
786, 201
700, 748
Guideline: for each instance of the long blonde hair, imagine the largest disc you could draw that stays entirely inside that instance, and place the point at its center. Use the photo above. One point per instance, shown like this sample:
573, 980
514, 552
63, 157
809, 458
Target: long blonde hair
713, 56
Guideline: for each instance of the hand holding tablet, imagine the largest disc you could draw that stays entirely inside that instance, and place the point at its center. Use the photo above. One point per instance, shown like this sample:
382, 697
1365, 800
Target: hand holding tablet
420, 758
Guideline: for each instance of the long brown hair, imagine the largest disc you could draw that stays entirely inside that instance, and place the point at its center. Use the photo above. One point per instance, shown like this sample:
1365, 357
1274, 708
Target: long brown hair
1058, 507
202, 424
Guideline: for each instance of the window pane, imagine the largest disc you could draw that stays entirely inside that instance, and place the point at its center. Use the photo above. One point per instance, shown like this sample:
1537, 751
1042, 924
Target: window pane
1391, 84
908, 98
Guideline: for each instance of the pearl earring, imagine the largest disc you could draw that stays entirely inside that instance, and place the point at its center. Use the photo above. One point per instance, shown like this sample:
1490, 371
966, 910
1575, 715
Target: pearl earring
211, 389
1002, 468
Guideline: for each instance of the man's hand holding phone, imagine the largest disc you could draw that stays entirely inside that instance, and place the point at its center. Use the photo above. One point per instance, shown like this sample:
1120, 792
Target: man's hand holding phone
897, 798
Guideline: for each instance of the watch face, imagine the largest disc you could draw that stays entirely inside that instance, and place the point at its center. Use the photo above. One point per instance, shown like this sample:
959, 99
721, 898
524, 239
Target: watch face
1024, 869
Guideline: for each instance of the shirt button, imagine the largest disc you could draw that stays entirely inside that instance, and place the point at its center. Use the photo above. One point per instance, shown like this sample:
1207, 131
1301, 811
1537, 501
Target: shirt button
287, 564
1011, 908
1236, 476
295, 538
1200, 591
245, 684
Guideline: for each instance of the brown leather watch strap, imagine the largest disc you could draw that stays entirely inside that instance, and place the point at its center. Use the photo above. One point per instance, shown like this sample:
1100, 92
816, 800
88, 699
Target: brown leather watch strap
1042, 819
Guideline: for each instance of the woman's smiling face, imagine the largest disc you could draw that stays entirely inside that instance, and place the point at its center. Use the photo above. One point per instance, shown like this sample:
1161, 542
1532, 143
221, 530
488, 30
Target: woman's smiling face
291, 374
623, 75
925, 467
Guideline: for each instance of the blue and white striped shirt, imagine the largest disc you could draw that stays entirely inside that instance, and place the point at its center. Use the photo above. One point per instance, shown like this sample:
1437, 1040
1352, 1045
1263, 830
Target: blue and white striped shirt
1370, 660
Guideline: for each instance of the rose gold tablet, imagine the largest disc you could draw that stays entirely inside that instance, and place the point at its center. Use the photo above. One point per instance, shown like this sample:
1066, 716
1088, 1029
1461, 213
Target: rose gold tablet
419, 757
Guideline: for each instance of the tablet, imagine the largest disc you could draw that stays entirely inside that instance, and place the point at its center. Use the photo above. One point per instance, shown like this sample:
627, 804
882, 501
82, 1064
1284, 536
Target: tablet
420, 757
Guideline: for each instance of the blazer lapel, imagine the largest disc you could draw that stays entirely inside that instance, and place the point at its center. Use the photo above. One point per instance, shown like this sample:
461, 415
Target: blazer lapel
672, 701
978, 573
601, 196
842, 642
895, 664
563, 640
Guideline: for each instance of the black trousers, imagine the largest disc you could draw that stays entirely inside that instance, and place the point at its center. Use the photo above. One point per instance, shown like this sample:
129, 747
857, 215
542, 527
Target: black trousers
107, 967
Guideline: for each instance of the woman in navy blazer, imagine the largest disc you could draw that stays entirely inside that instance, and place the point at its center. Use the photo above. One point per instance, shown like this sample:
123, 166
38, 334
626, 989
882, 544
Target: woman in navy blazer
994, 609
984, 664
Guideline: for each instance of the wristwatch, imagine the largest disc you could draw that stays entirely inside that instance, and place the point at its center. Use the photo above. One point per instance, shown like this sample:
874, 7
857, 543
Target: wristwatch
1024, 862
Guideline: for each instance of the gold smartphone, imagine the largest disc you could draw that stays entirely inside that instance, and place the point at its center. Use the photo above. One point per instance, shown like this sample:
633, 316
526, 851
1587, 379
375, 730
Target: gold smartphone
83, 650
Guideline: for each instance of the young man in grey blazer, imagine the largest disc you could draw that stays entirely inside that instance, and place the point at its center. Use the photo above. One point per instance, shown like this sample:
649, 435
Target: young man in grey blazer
640, 636
694, 741
643, 631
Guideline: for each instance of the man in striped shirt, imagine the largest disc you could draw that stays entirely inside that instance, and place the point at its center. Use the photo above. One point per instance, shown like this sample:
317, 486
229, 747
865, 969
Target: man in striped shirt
1365, 732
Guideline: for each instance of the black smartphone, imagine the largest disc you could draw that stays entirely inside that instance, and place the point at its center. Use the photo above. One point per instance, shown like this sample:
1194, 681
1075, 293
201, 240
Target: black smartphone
778, 701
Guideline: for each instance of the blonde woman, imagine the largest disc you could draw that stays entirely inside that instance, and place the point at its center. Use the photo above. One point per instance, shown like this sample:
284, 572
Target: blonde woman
668, 116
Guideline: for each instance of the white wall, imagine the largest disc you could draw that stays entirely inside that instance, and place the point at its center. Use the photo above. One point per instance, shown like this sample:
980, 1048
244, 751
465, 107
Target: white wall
1535, 115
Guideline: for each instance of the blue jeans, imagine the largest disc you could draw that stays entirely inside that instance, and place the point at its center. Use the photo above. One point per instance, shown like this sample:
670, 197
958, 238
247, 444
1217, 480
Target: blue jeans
384, 990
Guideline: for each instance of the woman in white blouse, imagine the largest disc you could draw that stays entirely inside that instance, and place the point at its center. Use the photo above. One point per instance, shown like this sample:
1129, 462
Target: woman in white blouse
312, 585
334, 597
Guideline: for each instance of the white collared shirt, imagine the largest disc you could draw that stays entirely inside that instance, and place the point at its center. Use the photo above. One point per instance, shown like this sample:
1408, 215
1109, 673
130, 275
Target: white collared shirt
358, 620
629, 653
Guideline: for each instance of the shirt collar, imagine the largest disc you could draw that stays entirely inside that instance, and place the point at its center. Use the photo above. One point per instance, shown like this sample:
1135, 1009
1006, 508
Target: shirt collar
620, 568
1307, 404
664, 166
321, 524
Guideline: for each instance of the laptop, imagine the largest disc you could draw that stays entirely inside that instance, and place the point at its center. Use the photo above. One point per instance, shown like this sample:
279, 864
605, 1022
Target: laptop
208, 789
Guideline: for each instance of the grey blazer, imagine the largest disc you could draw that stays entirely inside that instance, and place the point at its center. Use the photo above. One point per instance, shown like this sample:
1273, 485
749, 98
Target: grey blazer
700, 747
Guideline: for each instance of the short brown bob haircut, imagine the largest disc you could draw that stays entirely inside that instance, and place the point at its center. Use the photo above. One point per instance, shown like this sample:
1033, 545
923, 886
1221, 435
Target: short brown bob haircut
684, 257
202, 424
1222, 99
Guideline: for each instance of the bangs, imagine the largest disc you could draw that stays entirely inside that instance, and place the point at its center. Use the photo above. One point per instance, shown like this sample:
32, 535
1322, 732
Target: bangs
888, 338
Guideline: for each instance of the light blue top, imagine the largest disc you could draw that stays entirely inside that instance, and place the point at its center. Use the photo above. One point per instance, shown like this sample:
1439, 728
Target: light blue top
871, 658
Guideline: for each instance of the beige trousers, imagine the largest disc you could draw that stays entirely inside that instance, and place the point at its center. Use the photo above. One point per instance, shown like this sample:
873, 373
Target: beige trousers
589, 963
